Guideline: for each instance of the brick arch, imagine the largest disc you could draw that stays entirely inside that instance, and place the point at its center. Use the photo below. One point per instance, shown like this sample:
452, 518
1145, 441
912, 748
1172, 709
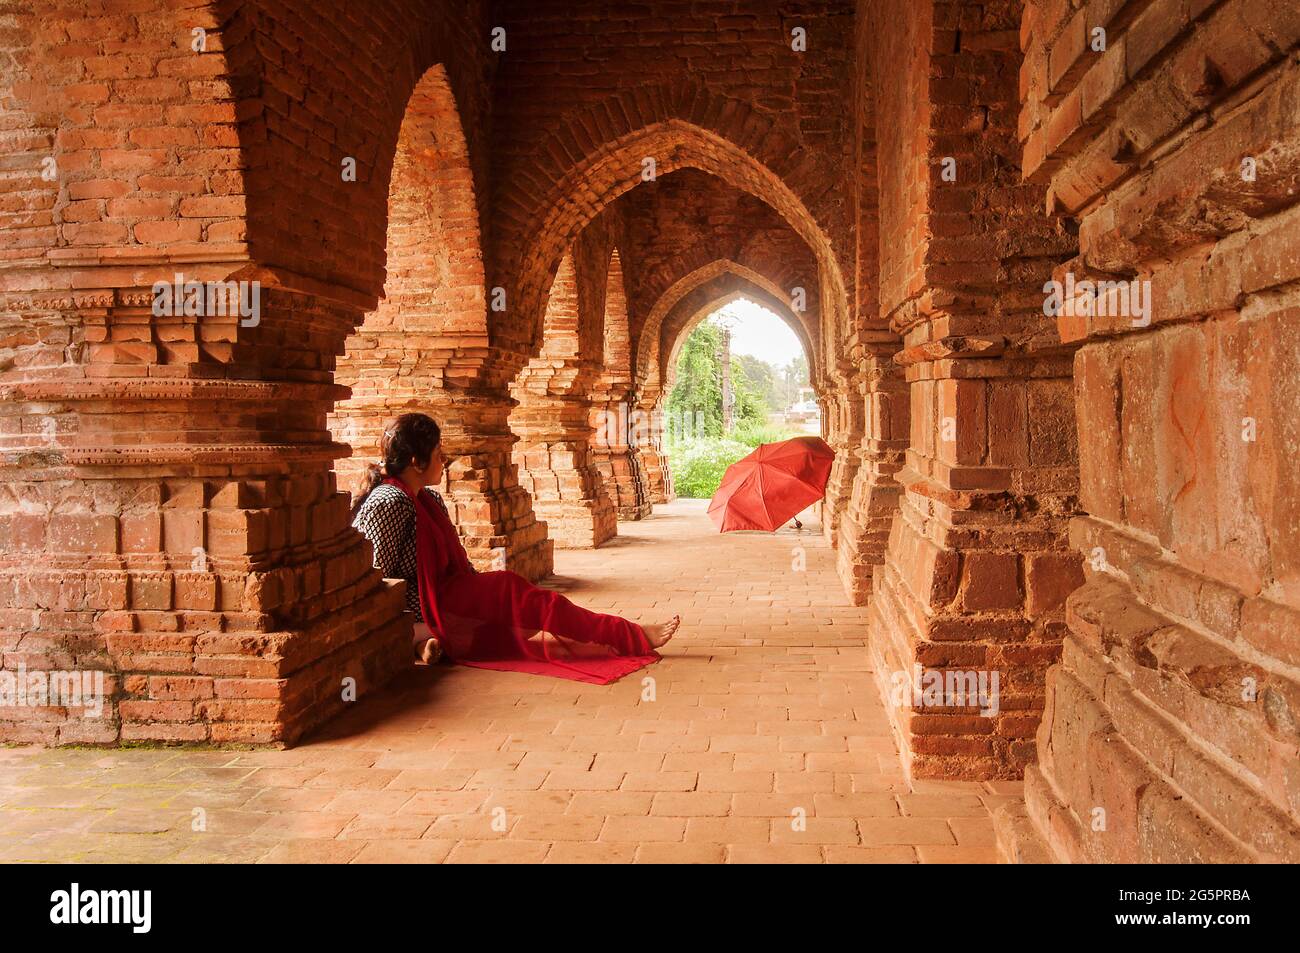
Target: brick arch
675, 316
719, 277
617, 349
433, 313
689, 316
716, 291
560, 330
302, 122
597, 155
784, 271
433, 237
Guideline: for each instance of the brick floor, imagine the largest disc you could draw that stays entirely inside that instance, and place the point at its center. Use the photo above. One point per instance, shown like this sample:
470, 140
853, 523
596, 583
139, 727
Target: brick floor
758, 738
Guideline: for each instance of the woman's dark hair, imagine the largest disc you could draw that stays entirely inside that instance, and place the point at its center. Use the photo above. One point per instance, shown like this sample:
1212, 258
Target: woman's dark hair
410, 438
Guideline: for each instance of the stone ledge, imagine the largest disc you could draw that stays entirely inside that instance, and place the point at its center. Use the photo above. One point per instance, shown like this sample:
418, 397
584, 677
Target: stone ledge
1017, 840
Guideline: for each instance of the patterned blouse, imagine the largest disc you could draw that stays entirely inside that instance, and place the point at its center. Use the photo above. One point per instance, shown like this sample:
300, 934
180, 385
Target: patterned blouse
387, 519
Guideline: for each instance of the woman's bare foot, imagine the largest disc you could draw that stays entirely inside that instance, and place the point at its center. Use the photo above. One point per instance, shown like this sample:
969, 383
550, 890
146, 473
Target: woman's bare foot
428, 651
660, 634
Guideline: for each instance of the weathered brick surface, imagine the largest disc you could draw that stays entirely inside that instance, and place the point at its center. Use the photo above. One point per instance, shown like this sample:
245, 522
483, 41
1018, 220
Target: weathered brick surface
1168, 714
555, 462
614, 447
728, 96
174, 471
987, 479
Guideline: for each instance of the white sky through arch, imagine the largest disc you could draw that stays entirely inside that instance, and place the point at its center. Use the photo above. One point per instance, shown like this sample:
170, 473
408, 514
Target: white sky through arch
758, 332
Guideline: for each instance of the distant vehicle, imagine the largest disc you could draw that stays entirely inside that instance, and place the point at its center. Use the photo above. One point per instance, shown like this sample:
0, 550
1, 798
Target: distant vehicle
803, 412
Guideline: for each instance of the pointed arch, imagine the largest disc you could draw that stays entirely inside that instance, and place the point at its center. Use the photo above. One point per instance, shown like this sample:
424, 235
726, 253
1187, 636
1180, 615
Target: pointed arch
434, 300
727, 276
600, 153
618, 337
561, 319
434, 277
713, 304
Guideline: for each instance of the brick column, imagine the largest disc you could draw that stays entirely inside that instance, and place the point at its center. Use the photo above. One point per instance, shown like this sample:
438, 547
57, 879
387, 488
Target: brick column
1170, 728
557, 467
616, 456
844, 434
864, 525
647, 436
552, 421
172, 517
490, 503
614, 449
976, 569
978, 564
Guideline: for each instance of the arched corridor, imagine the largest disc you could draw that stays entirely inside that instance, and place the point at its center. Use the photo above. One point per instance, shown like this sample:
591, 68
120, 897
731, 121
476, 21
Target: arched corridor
1040, 256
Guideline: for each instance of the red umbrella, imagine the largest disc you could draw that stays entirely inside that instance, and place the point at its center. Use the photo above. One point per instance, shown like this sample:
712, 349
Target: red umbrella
772, 484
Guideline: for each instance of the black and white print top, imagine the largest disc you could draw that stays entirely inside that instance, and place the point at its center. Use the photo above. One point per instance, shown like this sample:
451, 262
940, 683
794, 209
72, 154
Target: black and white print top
387, 519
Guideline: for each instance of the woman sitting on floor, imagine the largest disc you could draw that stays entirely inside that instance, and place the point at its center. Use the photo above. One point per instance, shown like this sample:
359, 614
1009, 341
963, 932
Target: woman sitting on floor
484, 619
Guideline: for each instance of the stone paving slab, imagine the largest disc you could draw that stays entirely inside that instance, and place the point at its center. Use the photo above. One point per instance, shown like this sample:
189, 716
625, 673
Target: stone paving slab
759, 738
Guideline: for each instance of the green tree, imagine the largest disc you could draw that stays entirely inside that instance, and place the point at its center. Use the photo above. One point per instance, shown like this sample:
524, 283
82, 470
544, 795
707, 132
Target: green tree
695, 404
699, 452
793, 376
751, 404
767, 380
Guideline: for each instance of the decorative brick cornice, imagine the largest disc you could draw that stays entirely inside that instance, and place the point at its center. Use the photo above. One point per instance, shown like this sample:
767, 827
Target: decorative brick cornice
84, 389
189, 454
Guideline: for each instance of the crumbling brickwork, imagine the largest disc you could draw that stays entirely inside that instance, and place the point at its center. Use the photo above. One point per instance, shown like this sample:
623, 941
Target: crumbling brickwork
1170, 733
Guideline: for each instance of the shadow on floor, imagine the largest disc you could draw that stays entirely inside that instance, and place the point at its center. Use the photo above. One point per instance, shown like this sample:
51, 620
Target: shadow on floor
418, 687
392, 702
624, 542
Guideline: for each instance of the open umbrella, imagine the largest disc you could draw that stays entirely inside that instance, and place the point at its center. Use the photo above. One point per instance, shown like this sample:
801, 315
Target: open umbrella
772, 484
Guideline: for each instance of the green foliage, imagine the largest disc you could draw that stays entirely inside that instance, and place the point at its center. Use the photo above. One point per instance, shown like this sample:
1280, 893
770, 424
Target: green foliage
766, 380
698, 467
751, 435
798, 372
699, 452
751, 408
697, 394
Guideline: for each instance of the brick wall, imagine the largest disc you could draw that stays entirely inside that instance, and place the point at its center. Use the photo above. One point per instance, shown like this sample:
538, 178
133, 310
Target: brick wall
1170, 730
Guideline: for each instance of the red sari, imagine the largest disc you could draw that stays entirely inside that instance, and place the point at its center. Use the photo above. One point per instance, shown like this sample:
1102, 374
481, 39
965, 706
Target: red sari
488, 619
